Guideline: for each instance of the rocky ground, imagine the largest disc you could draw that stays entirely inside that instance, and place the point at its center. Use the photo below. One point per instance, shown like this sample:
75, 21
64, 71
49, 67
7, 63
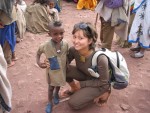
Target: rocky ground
30, 88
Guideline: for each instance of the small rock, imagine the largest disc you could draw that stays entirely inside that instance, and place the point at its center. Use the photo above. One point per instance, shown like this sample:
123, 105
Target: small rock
124, 107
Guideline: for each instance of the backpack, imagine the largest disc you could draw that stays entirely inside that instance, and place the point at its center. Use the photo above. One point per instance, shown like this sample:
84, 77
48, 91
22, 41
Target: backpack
119, 73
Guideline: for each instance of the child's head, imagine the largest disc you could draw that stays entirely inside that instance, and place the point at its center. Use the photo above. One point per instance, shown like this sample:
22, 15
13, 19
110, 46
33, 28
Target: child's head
87, 30
51, 4
47, 2
56, 31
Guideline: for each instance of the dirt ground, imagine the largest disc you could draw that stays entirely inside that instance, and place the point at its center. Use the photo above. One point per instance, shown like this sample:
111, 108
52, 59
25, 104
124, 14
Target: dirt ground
30, 88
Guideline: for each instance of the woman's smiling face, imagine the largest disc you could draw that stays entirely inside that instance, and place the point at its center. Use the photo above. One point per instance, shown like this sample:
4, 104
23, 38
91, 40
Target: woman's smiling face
80, 41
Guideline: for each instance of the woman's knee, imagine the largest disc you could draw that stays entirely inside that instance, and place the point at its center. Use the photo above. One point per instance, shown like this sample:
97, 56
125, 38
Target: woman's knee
74, 104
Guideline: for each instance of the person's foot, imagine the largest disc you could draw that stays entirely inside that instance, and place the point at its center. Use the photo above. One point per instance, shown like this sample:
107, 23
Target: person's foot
137, 55
14, 58
11, 64
56, 99
48, 108
138, 48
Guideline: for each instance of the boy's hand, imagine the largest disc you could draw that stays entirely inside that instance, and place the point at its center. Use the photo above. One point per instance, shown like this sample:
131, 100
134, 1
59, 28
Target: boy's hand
42, 65
45, 64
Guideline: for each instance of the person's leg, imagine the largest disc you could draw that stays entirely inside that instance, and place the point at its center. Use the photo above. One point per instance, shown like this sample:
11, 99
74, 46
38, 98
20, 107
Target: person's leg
85, 96
73, 74
50, 96
106, 34
56, 95
7, 54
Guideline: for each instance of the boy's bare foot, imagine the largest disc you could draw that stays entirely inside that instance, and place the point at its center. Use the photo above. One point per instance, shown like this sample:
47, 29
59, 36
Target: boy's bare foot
11, 64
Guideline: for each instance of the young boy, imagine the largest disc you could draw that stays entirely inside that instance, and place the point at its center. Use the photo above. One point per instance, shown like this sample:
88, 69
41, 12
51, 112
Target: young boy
55, 51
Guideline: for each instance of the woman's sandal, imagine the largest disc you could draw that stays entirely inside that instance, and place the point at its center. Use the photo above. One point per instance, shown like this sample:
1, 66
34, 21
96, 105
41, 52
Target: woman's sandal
137, 55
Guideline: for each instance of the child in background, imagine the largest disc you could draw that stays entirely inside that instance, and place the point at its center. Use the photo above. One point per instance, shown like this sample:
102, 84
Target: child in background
55, 51
7, 30
53, 11
39, 14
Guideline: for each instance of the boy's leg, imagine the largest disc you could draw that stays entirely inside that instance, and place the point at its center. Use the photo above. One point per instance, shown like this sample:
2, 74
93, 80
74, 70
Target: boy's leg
50, 96
56, 95
50, 93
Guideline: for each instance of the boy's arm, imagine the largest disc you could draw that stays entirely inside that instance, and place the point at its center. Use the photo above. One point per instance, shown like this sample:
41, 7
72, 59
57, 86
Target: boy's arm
41, 50
41, 65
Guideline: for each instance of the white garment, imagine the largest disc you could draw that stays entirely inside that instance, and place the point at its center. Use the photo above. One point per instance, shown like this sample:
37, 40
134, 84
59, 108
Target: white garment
137, 3
5, 87
141, 19
23, 5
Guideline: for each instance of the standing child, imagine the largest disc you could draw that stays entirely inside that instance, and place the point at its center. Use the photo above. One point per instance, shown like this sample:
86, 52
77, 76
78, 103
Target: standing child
55, 51
7, 30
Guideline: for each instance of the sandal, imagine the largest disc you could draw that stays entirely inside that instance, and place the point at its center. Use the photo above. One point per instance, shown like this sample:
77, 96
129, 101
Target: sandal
138, 48
48, 108
137, 55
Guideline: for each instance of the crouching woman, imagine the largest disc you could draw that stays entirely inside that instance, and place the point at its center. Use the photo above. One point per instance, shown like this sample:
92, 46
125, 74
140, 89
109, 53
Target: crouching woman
90, 89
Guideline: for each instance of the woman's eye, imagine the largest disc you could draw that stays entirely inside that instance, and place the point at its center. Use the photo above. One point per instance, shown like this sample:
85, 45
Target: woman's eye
80, 38
74, 37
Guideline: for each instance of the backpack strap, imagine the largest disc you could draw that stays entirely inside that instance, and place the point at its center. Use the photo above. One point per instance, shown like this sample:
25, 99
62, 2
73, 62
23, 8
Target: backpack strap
118, 62
95, 62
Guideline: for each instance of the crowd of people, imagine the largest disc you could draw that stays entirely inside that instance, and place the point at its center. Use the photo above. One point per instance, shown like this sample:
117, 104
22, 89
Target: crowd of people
128, 19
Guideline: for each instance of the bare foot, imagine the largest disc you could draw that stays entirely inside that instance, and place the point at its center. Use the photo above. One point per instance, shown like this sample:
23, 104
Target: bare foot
11, 64
14, 59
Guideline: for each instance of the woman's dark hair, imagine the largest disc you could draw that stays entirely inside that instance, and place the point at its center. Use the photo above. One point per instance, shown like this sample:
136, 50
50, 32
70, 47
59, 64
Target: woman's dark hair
89, 31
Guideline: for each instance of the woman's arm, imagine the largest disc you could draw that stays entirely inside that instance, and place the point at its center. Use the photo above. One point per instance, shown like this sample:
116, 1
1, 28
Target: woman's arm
103, 70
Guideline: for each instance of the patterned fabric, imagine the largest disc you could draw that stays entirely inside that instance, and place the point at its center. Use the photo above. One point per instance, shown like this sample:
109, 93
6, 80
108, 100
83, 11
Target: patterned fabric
141, 24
